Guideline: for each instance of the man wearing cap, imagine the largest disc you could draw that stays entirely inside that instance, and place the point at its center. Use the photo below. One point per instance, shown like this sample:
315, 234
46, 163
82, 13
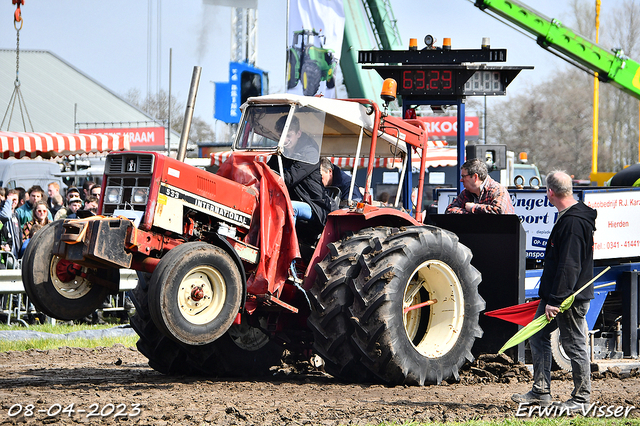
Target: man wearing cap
75, 203
72, 192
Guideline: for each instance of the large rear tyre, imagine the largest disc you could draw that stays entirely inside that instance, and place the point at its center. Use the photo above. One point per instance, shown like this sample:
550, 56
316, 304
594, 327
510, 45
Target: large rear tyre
195, 293
561, 360
52, 288
310, 75
331, 296
292, 69
402, 339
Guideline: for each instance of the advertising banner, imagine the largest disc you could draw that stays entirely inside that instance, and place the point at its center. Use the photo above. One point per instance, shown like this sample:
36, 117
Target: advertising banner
316, 29
140, 138
618, 223
442, 127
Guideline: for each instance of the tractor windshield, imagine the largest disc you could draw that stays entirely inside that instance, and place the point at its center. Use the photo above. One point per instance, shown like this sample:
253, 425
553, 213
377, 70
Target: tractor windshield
295, 132
258, 128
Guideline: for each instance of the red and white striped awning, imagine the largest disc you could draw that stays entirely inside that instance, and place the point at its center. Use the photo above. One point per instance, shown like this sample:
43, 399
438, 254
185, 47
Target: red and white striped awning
437, 156
49, 145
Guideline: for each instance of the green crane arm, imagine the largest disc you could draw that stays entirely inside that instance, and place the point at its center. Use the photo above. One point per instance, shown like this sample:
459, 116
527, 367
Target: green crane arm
383, 24
357, 36
612, 66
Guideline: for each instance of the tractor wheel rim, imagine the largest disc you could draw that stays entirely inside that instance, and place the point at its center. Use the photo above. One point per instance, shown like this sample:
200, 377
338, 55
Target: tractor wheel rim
204, 309
247, 337
434, 279
73, 289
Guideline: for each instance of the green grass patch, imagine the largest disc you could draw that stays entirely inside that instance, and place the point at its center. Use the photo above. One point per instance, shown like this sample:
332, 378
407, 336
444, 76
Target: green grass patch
61, 329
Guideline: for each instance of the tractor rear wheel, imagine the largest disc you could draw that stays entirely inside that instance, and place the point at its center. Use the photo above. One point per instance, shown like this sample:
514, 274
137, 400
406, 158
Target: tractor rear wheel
292, 70
56, 286
241, 352
559, 357
331, 296
310, 75
404, 339
164, 354
195, 293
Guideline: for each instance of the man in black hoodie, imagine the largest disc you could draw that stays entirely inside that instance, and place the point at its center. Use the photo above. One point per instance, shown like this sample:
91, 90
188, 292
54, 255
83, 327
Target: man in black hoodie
301, 174
568, 265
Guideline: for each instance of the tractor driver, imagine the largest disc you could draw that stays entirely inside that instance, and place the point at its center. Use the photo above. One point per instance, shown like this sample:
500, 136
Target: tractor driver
309, 198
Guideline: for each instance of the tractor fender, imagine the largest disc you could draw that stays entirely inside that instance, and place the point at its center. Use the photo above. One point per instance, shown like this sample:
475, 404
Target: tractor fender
218, 241
341, 221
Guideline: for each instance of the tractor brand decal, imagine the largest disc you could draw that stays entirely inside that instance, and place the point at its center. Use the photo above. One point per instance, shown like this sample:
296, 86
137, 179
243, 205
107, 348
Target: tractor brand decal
208, 206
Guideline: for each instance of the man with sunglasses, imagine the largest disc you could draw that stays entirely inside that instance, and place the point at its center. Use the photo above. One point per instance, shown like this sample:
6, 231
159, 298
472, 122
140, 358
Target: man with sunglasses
481, 193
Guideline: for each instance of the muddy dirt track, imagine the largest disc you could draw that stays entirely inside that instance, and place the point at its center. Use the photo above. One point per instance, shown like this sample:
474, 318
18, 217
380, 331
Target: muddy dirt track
114, 386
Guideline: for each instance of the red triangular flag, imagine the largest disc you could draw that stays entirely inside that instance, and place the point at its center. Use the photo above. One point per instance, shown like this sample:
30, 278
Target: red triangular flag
519, 314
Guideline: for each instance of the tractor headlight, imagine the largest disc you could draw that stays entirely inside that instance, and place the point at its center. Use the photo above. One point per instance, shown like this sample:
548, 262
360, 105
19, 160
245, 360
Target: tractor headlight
113, 195
139, 195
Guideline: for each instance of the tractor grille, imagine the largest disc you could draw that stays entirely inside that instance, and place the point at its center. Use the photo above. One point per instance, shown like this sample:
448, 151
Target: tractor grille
135, 163
128, 179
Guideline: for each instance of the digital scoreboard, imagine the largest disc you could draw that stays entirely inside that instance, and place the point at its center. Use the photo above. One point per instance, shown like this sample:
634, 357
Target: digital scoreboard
449, 80
439, 73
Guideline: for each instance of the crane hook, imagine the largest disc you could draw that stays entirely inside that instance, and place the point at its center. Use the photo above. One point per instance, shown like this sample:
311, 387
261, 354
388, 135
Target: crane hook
17, 16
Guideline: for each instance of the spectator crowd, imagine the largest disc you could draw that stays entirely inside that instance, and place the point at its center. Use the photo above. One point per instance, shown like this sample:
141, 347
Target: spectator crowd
24, 212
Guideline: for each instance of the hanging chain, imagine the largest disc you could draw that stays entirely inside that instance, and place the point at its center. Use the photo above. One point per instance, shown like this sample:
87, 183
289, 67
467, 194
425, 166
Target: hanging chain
18, 56
17, 94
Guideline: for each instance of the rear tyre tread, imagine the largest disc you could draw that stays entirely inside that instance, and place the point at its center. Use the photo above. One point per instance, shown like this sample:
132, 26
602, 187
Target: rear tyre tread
331, 297
379, 334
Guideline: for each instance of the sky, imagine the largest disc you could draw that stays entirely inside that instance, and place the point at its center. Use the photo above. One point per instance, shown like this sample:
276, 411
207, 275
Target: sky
108, 40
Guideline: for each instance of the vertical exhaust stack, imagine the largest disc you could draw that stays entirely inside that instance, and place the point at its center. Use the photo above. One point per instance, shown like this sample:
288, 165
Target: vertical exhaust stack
188, 113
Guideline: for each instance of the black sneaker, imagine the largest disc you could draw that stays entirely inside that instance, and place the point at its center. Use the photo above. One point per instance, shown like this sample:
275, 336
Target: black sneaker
531, 397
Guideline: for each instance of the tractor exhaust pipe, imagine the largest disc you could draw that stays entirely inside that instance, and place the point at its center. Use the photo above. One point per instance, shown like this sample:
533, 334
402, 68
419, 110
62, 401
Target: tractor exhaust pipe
188, 113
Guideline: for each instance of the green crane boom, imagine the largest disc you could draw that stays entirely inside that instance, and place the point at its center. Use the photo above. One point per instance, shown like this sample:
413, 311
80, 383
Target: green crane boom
612, 66
357, 36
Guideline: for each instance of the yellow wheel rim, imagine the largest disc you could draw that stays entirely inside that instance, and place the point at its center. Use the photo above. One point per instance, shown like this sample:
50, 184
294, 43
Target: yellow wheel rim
443, 320
201, 295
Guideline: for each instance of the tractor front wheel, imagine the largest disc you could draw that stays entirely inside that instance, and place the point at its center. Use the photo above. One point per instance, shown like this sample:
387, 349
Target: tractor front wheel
195, 293
243, 351
292, 70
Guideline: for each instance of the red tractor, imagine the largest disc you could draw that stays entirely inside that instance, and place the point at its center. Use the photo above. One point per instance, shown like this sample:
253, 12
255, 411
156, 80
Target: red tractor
377, 294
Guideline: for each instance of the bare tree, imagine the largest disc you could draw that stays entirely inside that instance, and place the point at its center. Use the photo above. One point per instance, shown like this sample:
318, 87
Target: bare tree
553, 121
157, 105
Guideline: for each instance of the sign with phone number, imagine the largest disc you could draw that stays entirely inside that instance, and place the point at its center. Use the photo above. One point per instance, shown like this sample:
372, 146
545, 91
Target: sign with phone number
618, 223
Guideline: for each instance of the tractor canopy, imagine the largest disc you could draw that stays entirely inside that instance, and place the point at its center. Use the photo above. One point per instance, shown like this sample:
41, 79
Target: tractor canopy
338, 128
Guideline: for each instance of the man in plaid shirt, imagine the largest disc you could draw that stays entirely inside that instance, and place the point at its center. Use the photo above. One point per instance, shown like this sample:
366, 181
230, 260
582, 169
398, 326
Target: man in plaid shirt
481, 194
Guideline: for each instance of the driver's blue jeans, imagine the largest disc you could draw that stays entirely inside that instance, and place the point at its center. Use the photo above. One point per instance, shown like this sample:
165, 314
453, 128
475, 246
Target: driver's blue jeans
301, 210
